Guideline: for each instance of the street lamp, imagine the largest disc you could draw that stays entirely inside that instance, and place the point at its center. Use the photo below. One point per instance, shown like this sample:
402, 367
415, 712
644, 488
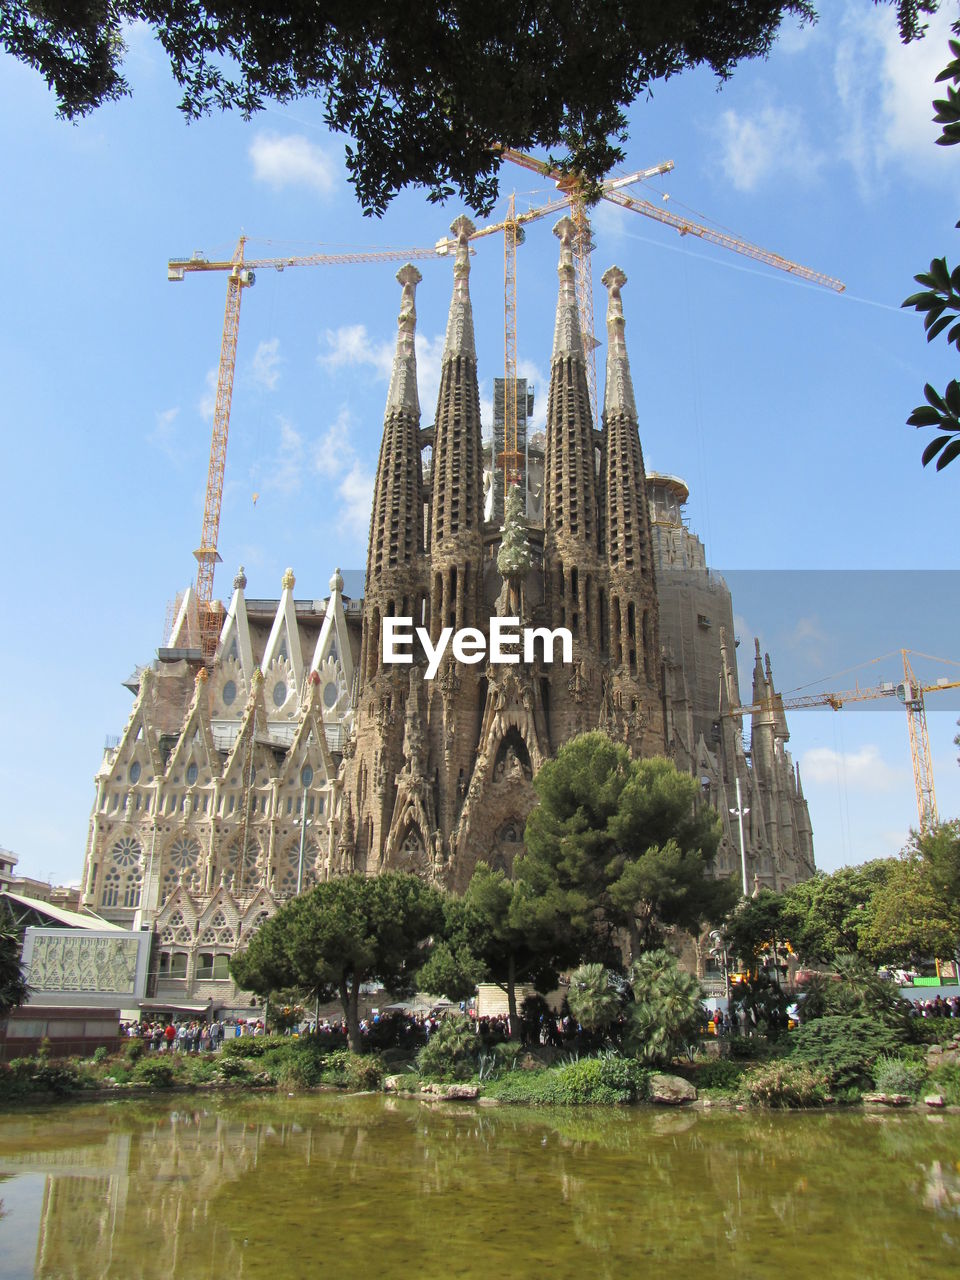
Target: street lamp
740, 811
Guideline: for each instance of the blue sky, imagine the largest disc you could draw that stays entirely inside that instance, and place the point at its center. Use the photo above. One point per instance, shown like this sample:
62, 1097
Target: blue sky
782, 405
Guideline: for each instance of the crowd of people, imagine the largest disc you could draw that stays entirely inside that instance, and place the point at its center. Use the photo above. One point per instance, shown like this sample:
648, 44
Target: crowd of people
938, 1007
195, 1036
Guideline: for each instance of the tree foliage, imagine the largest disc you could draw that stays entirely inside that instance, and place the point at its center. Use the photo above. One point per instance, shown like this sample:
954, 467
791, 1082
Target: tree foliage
13, 988
341, 934
422, 90
667, 1009
501, 931
939, 300
623, 844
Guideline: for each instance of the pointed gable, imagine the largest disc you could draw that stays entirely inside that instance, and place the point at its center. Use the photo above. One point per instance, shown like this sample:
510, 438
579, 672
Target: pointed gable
235, 633
283, 644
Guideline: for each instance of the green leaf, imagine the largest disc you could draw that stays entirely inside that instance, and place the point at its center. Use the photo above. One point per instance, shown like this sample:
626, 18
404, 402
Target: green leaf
933, 448
954, 335
924, 416
937, 326
922, 301
950, 452
940, 273
952, 397
934, 397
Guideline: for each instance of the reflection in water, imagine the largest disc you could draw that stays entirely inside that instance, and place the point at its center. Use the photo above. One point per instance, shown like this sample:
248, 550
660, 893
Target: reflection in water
358, 1186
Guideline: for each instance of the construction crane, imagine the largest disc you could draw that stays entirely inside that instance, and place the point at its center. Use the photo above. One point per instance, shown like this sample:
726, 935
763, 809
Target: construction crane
241, 274
910, 692
572, 186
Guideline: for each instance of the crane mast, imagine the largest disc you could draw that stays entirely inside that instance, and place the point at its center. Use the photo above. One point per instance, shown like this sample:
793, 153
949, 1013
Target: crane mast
241, 275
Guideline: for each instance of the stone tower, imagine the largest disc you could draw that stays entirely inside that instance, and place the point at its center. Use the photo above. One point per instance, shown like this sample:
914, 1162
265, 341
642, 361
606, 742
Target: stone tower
438, 773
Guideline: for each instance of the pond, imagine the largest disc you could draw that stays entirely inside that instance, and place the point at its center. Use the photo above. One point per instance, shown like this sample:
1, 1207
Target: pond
337, 1186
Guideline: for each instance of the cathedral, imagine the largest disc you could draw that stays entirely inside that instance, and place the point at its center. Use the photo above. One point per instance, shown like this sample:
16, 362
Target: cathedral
301, 754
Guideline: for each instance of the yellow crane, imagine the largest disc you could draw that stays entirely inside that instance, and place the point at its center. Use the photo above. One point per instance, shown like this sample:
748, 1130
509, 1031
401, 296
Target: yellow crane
241, 274
909, 691
612, 189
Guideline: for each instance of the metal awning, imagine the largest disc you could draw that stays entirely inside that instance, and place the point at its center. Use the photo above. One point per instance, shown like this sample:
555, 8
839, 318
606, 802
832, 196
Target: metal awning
175, 1006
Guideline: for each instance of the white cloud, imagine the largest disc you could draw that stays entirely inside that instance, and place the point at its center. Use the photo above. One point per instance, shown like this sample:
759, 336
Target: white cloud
356, 498
429, 358
862, 770
352, 345
164, 433
757, 146
284, 475
886, 90
266, 364
291, 160
334, 451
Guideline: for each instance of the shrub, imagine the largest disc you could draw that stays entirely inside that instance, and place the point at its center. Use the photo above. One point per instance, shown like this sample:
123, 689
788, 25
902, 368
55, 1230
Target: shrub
845, 1048
100, 1054
894, 1075
251, 1046
133, 1051
154, 1072
536, 1088
715, 1073
233, 1069
946, 1080
452, 1052
785, 1084
602, 1081
352, 1070
54, 1077
608, 1080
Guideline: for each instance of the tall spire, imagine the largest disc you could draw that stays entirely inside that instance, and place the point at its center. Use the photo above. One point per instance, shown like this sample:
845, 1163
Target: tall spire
402, 396
567, 338
396, 535
457, 496
618, 393
459, 340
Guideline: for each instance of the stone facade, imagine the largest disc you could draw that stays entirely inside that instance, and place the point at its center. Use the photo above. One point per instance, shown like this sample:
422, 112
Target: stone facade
197, 829
221, 798
439, 773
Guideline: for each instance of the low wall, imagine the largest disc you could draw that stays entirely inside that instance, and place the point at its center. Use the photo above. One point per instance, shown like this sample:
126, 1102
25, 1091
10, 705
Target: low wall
70, 1031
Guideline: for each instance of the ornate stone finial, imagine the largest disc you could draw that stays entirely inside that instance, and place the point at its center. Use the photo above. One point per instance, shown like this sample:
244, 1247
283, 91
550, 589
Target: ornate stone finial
336, 582
240, 581
288, 581
567, 339
402, 395
459, 340
618, 392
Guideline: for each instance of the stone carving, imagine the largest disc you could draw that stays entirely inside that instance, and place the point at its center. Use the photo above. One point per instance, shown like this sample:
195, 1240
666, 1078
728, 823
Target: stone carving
84, 963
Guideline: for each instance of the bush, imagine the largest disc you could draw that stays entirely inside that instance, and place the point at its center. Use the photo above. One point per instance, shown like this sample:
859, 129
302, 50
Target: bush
100, 1054
251, 1046
894, 1075
233, 1069
667, 1009
607, 1080
151, 1071
452, 1052
946, 1080
785, 1084
60, 1077
604, 1081
352, 1070
133, 1051
845, 1048
715, 1073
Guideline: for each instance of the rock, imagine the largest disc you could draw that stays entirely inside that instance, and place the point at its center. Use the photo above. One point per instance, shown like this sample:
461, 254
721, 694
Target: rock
489, 1102
671, 1091
935, 1100
529, 1063
887, 1099
391, 1084
461, 1092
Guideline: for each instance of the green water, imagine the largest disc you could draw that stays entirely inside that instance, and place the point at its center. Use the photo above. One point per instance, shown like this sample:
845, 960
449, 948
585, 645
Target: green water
335, 1186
